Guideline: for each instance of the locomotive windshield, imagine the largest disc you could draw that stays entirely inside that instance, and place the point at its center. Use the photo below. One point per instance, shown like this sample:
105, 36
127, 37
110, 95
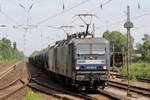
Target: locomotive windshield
83, 49
98, 49
90, 49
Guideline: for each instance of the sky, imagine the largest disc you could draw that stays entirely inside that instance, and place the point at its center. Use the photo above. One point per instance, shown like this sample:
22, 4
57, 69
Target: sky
34, 24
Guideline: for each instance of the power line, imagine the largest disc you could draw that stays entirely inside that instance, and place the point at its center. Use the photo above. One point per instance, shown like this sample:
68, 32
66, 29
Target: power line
118, 22
58, 14
100, 6
139, 16
133, 18
9, 18
141, 27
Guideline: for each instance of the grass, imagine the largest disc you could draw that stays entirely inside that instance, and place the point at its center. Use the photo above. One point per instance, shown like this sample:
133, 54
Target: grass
33, 96
10, 60
5, 61
140, 70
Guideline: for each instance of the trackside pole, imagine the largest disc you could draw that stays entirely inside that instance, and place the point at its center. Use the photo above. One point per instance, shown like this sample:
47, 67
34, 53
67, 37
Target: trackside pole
128, 25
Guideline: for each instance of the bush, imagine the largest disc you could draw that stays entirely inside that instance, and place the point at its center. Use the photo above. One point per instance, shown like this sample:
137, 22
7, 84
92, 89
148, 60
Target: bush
140, 70
116, 69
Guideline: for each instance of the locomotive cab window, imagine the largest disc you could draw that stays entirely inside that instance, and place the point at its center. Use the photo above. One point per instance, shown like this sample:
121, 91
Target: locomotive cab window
98, 49
91, 49
83, 49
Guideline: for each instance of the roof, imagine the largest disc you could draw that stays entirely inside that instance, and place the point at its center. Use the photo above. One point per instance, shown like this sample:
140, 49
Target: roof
88, 40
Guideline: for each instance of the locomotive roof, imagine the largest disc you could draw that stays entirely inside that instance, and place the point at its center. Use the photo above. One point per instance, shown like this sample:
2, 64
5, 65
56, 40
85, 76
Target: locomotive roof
88, 40
80, 40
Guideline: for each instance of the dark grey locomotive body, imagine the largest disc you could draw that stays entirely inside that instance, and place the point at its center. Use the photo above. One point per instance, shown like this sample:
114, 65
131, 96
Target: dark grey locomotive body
77, 62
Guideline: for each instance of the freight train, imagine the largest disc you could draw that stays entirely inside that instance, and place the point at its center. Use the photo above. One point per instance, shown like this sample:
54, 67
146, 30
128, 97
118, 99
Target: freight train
77, 62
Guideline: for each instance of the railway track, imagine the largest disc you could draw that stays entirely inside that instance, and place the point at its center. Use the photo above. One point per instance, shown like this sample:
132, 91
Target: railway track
140, 90
12, 87
81, 95
8, 70
58, 93
125, 77
67, 94
55, 91
63, 94
112, 95
13, 82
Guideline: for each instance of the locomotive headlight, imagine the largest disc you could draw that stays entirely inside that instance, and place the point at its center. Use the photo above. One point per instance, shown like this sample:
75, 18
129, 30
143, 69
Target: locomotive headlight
91, 57
105, 67
77, 67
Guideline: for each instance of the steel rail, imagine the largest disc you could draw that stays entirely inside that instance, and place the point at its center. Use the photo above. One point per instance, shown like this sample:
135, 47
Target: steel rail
80, 94
8, 70
24, 84
84, 96
112, 95
125, 77
15, 81
140, 90
56, 89
48, 93
12, 83
30, 85
11, 93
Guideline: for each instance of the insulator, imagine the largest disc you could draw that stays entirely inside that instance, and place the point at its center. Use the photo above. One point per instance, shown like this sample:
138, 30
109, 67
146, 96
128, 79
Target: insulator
101, 6
139, 6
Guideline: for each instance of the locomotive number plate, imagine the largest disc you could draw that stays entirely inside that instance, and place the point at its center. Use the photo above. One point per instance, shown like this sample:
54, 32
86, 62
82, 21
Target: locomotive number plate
91, 67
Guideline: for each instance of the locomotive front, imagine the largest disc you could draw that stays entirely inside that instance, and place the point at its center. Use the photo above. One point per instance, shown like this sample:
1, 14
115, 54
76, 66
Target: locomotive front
92, 62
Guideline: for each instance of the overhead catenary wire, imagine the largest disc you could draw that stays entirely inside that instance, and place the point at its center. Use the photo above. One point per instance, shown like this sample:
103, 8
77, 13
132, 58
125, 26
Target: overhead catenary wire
141, 27
4, 14
114, 23
8, 17
62, 12
1, 1
100, 6
133, 18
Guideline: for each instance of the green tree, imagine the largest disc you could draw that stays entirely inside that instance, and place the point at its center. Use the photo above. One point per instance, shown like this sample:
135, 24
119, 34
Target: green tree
7, 52
120, 40
14, 45
144, 49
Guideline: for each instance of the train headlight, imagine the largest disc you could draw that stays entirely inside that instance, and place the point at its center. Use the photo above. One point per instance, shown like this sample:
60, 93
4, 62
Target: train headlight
91, 57
77, 67
105, 67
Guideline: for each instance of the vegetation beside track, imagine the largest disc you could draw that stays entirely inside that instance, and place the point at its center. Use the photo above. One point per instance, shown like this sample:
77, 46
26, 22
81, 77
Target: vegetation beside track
33, 96
9, 51
140, 66
140, 70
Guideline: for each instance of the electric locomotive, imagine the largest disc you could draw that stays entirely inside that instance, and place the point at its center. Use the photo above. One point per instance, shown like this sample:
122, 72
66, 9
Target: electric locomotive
79, 61
91, 64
